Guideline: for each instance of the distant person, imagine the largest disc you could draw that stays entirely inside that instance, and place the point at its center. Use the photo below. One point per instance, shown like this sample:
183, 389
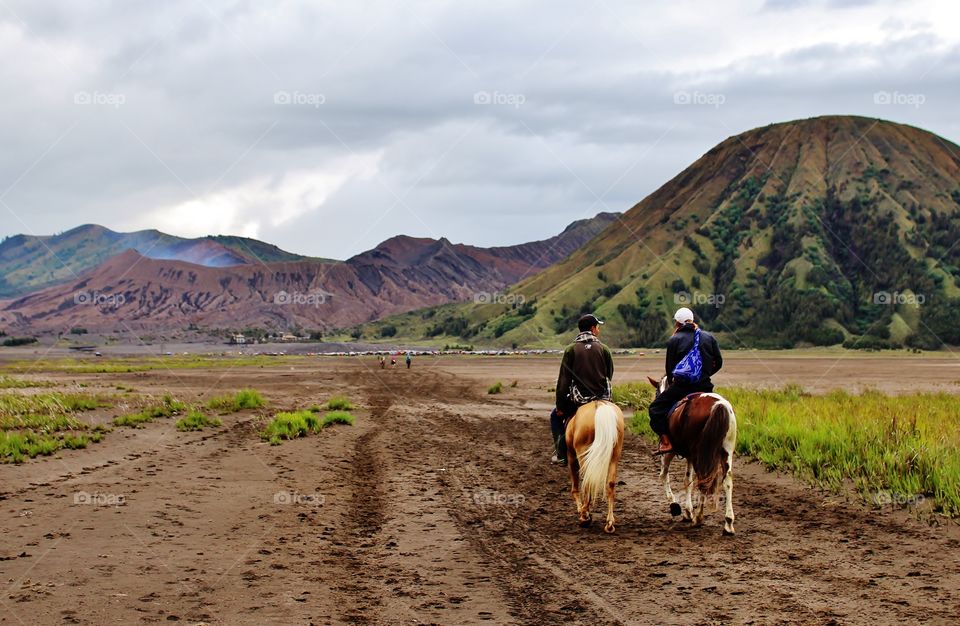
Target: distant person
393, 360
586, 373
681, 369
409, 360
383, 362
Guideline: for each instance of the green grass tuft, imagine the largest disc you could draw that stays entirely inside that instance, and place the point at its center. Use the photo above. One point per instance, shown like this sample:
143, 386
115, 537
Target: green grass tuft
195, 420
339, 403
495, 388
8, 382
337, 417
243, 399
291, 425
167, 408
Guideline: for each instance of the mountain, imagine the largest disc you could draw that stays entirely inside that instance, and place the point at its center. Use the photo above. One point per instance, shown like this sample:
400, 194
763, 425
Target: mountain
818, 231
134, 292
29, 263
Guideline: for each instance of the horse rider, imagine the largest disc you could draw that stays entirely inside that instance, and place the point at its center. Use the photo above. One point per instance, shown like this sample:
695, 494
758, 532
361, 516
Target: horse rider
687, 372
585, 375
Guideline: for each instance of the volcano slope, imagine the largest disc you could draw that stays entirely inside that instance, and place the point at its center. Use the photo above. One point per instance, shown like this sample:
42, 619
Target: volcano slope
818, 231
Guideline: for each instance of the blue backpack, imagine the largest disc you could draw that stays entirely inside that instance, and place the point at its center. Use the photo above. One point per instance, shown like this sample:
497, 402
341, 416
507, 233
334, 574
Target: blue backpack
690, 368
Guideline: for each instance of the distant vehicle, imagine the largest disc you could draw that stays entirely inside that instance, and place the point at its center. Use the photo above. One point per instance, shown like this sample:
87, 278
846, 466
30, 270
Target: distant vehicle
97, 354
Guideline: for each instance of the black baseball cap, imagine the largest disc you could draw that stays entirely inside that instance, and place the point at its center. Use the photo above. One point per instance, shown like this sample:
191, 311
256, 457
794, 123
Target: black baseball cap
588, 321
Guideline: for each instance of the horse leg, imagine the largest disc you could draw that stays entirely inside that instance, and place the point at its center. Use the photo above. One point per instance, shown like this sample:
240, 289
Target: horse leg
665, 479
611, 488
583, 503
688, 500
728, 515
698, 514
574, 467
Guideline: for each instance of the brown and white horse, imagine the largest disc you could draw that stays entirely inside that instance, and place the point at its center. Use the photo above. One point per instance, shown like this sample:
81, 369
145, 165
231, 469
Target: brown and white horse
703, 429
594, 445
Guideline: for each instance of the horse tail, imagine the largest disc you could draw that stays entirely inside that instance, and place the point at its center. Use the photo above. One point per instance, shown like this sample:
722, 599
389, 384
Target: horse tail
710, 459
595, 462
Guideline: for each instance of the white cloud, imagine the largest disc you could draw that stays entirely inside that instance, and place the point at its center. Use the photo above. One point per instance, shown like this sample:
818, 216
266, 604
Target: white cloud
265, 201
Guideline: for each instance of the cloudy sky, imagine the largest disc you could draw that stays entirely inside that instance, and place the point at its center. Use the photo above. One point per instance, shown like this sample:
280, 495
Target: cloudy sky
328, 126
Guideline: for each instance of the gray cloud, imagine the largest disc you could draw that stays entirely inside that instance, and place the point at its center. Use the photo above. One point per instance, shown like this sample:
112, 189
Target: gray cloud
327, 128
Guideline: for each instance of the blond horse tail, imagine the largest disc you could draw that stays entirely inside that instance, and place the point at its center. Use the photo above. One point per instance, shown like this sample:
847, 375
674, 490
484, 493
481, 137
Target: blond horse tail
595, 460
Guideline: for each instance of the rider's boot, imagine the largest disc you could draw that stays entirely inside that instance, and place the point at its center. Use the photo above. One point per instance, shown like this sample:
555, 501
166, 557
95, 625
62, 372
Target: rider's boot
665, 447
560, 445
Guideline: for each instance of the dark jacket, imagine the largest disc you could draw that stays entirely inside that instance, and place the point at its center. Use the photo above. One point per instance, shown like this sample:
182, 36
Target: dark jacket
588, 365
682, 342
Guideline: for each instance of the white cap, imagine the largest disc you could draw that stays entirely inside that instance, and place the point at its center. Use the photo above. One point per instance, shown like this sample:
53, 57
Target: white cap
683, 315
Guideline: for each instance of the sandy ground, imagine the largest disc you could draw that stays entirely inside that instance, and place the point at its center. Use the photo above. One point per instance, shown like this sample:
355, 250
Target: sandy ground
440, 506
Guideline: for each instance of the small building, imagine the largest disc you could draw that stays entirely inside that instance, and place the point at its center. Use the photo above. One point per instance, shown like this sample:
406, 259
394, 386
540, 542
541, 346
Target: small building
238, 339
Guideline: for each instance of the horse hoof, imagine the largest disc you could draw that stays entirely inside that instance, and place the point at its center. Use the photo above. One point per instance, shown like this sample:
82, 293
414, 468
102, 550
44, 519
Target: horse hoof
584, 523
728, 532
609, 529
675, 509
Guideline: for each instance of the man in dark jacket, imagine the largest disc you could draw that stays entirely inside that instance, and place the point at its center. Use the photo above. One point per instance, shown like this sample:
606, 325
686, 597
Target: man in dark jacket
585, 375
678, 347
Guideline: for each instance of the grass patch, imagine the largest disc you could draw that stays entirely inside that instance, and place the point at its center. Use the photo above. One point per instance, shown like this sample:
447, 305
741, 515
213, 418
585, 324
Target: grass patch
41, 424
339, 403
905, 446
9, 382
195, 420
337, 417
495, 388
291, 425
168, 407
243, 399
47, 403
636, 396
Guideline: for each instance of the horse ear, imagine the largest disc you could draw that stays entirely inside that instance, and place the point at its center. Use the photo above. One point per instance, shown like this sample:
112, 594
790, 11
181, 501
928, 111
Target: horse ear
655, 383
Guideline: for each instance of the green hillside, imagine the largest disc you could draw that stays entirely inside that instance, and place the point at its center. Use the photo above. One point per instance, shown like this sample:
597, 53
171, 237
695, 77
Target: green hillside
822, 231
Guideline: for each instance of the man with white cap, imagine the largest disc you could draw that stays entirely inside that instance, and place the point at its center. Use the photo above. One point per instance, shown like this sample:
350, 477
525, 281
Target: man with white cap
687, 372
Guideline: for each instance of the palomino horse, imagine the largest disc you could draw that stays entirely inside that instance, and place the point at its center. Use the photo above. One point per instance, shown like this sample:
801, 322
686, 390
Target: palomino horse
703, 429
594, 445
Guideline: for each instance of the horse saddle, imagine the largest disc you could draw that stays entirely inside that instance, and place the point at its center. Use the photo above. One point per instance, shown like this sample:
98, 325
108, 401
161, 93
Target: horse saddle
681, 405
678, 416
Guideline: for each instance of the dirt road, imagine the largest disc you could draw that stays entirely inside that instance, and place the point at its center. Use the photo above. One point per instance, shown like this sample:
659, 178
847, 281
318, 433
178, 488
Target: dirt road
439, 506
